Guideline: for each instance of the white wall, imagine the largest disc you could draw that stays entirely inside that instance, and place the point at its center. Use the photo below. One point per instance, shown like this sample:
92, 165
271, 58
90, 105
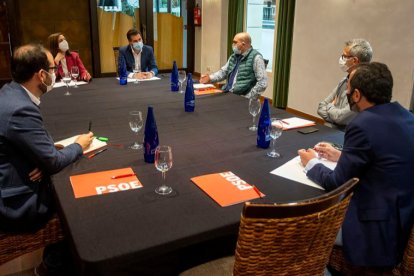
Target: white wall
320, 30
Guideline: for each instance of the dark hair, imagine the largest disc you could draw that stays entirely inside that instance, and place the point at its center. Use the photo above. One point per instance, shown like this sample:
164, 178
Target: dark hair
374, 81
28, 60
53, 44
132, 32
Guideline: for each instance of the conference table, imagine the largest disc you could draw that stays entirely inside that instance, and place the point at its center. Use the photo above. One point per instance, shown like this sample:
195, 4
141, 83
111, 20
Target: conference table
138, 232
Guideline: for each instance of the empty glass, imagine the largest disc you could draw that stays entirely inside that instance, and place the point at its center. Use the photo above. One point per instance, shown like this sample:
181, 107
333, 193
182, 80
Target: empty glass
136, 123
136, 70
163, 162
254, 109
276, 129
181, 78
74, 72
66, 78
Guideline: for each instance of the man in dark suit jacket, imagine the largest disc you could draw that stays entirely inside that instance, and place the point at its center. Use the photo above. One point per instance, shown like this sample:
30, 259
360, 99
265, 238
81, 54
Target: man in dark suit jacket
138, 59
27, 153
379, 150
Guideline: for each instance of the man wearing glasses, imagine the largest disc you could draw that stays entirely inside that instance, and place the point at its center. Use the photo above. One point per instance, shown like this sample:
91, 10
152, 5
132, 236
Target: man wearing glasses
27, 153
335, 108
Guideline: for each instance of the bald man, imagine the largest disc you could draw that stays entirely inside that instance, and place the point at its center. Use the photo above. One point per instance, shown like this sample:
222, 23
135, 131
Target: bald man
245, 71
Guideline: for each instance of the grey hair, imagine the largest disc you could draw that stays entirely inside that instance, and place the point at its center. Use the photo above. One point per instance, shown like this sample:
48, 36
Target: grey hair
360, 48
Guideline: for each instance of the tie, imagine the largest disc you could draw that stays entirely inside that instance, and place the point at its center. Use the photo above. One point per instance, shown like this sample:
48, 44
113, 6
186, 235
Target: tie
233, 74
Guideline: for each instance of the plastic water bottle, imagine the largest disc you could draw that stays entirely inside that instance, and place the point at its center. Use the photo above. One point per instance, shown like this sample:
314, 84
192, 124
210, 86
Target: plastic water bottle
150, 136
189, 98
174, 78
263, 129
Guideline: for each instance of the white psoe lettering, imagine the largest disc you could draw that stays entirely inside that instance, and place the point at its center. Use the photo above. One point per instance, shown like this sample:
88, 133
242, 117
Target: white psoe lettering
236, 181
111, 188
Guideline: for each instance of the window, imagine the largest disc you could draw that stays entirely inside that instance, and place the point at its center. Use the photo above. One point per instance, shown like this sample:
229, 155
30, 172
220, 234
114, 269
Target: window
260, 24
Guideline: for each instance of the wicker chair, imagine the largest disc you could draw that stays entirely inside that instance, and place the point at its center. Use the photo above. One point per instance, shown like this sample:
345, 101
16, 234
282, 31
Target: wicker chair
288, 239
406, 267
15, 245
116, 54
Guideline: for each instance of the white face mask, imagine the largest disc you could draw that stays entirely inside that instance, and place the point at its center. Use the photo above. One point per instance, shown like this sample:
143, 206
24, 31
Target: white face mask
138, 45
50, 87
342, 64
64, 46
236, 50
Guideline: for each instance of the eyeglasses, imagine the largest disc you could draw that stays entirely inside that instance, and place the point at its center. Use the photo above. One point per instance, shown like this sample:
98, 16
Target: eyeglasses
345, 56
54, 68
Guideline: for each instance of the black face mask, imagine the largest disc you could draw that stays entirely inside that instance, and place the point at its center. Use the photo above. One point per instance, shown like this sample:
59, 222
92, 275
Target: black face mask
352, 104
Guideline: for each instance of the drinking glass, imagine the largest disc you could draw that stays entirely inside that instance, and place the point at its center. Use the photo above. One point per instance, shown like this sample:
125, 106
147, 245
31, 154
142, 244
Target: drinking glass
66, 78
254, 109
74, 72
182, 75
136, 123
135, 71
276, 129
163, 162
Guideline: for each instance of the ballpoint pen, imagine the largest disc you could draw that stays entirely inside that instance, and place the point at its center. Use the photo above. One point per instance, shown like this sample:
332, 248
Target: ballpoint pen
103, 139
90, 126
96, 153
122, 175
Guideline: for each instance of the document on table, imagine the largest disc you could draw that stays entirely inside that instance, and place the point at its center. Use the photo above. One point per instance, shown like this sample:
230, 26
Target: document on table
202, 86
139, 80
72, 83
96, 144
295, 122
294, 170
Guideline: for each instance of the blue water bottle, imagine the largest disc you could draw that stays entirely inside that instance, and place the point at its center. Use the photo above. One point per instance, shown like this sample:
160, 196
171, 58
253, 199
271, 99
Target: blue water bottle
174, 78
150, 136
189, 98
123, 74
263, 129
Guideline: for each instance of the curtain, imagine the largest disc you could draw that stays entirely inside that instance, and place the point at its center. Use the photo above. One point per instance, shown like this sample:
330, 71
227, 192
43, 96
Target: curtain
235, 22
283, 52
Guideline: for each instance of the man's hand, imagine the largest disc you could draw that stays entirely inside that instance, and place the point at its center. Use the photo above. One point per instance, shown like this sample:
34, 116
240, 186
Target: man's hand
35, 175
327, 151
307, 155
143, 75
84, 140
204, 79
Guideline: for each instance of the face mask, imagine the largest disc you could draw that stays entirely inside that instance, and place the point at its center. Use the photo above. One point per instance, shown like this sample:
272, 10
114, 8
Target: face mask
352, 104
64, 46
342, 64
138, 45
236, 50
50, 87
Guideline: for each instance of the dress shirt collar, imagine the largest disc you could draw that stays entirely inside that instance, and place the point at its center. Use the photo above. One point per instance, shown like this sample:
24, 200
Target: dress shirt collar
34, 99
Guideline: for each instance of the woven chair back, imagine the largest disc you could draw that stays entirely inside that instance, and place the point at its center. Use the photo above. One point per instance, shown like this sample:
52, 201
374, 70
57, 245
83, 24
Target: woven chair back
116, 54
291, 238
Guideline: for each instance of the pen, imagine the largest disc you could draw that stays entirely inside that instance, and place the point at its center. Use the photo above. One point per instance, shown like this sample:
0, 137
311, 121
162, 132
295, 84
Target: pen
257, 191
103, 139
96, 153
90, 126
122, 175
284, 122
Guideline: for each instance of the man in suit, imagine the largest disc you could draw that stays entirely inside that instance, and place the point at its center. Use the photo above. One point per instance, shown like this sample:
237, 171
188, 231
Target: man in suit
379, 150
138, 59
28, 156
245, 70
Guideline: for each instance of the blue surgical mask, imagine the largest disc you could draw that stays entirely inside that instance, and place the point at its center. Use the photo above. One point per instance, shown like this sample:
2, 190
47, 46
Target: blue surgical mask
236, 50
138, 45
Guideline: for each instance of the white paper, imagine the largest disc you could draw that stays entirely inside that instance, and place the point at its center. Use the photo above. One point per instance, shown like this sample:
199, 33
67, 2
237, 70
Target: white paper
140, 80
294, 170
202, 86
295, 122
72, 83
96, 144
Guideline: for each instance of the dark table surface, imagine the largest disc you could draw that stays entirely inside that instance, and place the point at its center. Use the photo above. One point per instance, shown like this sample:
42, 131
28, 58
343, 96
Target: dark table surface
112, 231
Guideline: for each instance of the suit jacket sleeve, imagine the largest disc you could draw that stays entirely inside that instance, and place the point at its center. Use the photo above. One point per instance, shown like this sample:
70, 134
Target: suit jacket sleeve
152, 65
352, 162
26, 130
79, 63
123, 61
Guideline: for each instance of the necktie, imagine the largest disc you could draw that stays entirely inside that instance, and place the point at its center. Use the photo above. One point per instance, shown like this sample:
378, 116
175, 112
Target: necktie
233, 74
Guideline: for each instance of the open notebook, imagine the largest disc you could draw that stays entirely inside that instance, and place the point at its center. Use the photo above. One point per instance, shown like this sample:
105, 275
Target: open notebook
96, 144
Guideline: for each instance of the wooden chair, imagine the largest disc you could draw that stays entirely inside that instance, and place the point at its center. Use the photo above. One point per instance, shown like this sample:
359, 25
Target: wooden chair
15, 245
116, 54
290, 238
406, 267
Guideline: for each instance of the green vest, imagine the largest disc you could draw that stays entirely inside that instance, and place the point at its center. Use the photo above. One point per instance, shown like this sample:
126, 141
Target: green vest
246, 78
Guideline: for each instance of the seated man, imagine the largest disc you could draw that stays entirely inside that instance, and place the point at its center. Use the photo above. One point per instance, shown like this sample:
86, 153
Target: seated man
28, 156
138, 59
245, 70
335, 108
379, 150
